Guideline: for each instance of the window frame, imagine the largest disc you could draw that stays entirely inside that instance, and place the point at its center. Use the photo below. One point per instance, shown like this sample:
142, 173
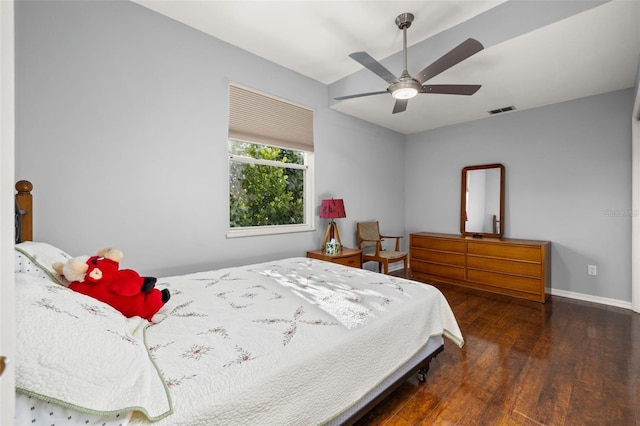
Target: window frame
308, 195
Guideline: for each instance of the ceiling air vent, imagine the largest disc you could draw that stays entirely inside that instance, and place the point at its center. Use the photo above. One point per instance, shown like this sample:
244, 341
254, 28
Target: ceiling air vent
501, 110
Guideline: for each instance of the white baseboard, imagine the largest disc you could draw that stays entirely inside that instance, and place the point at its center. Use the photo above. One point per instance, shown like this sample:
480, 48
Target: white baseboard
594, 299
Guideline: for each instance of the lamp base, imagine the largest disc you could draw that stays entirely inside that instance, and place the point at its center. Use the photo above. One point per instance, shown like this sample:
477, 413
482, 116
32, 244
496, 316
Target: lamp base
332, 232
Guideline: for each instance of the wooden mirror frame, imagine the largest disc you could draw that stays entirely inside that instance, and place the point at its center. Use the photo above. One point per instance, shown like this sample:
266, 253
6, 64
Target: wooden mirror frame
463, 203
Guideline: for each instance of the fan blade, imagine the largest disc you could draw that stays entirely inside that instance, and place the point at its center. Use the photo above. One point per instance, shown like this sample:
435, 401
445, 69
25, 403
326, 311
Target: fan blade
368, 62
400, 106
359, 95
451, 89
456, 55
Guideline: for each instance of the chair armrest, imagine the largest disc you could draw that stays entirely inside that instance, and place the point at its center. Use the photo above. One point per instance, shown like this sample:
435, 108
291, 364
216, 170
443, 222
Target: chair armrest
397, 237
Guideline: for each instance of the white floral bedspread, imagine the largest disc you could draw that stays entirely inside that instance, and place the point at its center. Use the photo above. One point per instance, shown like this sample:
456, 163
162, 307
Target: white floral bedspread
288, 342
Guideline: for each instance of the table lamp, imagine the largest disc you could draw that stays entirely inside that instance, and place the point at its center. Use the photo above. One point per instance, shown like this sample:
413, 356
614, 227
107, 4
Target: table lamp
332, 209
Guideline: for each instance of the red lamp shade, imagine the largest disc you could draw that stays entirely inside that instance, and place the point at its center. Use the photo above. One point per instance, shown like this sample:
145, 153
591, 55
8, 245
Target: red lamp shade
332, 209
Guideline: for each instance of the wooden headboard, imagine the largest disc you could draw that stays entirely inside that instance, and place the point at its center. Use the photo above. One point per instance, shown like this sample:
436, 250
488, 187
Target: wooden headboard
24, 211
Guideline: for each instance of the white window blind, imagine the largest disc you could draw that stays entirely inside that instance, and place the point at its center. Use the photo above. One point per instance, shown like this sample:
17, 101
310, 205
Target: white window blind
265, 119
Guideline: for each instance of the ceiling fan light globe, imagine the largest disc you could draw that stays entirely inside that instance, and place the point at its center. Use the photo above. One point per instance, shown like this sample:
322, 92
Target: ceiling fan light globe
406, 88
404, 93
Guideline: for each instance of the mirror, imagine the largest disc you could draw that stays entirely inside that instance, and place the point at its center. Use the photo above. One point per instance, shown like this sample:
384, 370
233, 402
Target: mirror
482, 201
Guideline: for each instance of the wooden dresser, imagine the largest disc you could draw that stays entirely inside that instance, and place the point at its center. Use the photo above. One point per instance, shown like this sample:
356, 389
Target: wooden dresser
520, 268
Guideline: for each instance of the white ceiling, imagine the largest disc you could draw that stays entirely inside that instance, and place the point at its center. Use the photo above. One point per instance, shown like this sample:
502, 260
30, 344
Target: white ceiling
536, 52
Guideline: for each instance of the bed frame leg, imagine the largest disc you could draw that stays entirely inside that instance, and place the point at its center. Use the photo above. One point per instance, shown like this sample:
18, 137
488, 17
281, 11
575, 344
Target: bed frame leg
422, 372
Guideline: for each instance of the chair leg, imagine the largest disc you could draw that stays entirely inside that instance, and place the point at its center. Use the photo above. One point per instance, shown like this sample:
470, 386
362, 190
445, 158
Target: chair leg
386, 268
379, 267
405, 267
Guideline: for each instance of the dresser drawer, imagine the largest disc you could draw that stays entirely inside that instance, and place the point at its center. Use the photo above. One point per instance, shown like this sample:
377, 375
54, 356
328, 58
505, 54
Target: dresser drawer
505, 251
530, 269
446, 258
511, 282
451, 272
349, 261
443, 244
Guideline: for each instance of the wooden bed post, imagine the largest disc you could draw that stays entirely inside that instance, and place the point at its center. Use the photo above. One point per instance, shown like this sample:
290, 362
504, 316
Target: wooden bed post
25, 202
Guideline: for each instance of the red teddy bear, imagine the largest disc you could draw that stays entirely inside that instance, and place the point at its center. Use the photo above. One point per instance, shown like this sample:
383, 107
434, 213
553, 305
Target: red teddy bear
124, 289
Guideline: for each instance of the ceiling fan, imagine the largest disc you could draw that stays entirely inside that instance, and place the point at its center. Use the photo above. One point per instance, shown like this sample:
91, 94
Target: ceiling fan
406, 87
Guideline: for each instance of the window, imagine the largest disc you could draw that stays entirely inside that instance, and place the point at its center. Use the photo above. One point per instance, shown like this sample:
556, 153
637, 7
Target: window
270, 151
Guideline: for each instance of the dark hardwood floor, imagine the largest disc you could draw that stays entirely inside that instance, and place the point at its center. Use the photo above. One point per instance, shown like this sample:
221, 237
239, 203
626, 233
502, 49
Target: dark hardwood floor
566, 362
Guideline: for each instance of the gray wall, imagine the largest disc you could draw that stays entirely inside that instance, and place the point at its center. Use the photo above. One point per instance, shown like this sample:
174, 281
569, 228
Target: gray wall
122, 121
568, 180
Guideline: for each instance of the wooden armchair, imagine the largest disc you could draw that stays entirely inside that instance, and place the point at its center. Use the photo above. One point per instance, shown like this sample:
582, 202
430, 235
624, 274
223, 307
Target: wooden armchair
370, 242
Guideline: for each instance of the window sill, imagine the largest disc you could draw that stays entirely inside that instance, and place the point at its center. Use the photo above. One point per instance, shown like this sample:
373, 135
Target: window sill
267, 230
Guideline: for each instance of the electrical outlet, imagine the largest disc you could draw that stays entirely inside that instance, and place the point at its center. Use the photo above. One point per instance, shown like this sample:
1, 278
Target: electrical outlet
592, 270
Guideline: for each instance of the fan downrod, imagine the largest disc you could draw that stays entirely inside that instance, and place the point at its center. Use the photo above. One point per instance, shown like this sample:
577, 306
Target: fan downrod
404, 20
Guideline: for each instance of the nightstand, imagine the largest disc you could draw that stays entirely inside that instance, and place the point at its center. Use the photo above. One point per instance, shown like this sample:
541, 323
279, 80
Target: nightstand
347, 256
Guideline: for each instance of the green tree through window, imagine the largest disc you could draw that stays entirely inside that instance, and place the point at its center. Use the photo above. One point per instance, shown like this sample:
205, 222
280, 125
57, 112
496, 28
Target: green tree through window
266, 185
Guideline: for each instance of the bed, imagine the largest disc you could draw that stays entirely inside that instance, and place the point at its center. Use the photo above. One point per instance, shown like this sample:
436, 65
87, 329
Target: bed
294, 341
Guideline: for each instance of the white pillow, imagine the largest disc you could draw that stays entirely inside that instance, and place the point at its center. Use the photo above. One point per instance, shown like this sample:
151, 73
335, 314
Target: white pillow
80, 353
37, 259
